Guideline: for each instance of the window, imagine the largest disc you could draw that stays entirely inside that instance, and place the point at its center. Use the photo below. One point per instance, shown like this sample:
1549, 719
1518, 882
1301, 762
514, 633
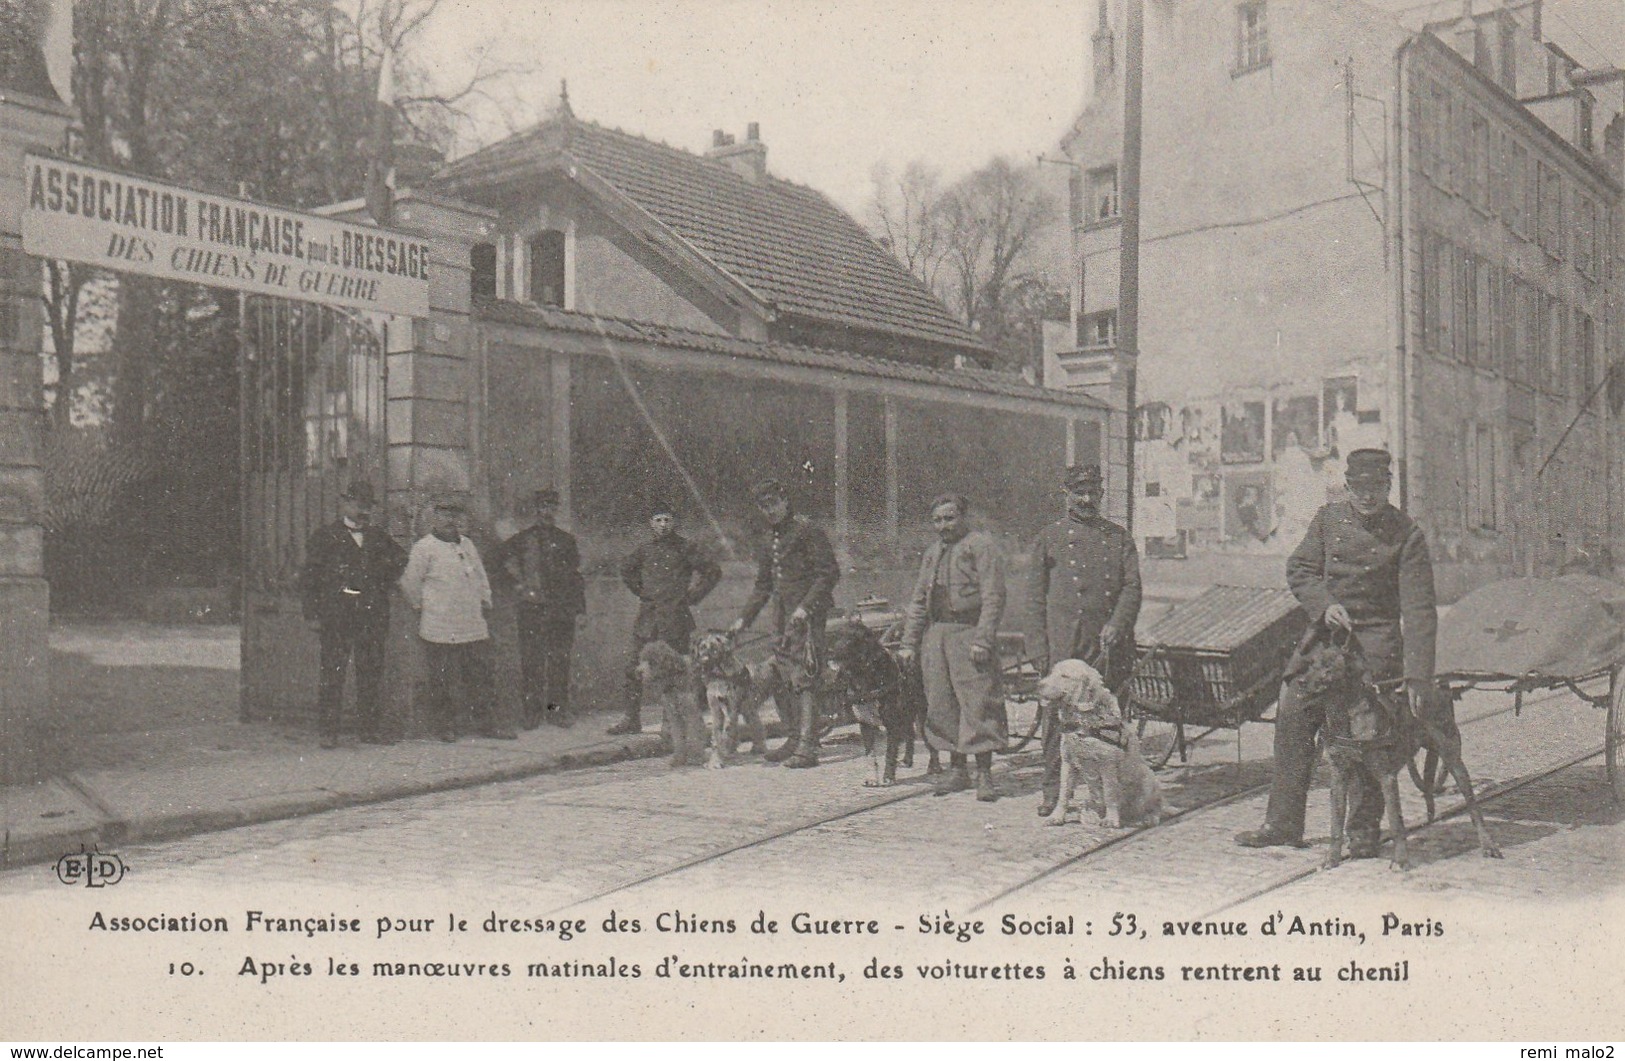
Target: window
1434, 332
1478, 160
1466, 306
1585, 236
1549, 209
1252, 37
1588, 356
1526, 332
547, 268
1446, 170
1500, 149
1425, 118
1099, 330
482, 264
1554, 327
1480, 477
1103, 204
1523, 191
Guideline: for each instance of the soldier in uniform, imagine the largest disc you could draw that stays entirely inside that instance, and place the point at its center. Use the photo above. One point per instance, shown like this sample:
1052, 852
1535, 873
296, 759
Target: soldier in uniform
545, 568
1362, 567
350, 569
953, 626
669, 575
797, 572
1084, 589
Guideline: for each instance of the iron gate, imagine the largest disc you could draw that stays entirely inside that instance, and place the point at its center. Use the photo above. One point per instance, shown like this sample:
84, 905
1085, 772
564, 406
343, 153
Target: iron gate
313, 421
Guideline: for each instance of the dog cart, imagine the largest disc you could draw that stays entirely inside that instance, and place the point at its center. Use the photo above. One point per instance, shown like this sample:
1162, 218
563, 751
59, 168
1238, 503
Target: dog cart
1526, 635
1214, 662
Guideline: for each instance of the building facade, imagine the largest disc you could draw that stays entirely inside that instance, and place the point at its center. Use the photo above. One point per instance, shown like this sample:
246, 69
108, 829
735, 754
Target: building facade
624, 322
1339, 216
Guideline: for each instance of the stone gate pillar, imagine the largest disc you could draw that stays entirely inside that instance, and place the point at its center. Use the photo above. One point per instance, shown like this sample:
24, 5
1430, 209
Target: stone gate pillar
32, 115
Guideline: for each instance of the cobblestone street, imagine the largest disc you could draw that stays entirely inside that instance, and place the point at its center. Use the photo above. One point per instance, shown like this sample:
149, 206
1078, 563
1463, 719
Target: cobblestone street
746, 832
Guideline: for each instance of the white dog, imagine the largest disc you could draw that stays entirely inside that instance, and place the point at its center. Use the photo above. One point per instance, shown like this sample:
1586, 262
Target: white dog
1098, 743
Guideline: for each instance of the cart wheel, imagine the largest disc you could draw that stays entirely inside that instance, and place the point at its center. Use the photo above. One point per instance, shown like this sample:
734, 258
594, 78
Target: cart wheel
1615, 735
1158, 741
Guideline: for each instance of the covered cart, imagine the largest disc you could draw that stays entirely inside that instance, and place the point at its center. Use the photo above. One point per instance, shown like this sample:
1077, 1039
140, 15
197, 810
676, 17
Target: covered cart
1529, 634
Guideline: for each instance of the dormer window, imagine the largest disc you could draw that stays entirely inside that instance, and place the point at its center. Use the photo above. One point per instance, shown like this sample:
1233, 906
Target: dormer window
547, 268
1252, 37
1099, 330
1102, 204
482, 264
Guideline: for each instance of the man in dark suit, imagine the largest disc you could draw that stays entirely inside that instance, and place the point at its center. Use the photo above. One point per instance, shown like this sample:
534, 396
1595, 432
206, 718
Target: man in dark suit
1362, 567
350, 571
543, 564
795, 571
1084, 591
669, 575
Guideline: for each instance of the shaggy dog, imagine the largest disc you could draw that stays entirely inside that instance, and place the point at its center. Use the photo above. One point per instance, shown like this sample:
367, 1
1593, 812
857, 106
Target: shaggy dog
730, 696
667, 683
1098, 743
864, 677
1373, 731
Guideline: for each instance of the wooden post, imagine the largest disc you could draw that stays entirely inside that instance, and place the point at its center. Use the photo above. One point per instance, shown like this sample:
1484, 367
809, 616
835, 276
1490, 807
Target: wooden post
843, 528
894, 528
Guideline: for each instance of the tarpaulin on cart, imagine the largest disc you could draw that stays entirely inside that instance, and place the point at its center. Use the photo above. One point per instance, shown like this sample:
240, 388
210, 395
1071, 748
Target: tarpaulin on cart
1565, 627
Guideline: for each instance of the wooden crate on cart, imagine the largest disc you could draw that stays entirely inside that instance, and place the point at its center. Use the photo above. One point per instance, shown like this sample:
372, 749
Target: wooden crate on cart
1215, 661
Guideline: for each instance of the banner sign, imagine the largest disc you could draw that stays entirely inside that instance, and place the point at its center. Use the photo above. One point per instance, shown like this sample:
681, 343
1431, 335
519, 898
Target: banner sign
84, 213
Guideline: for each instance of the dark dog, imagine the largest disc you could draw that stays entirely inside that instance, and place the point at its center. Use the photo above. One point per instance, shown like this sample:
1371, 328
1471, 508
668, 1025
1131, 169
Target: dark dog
1372, 728
864, 676
730, 694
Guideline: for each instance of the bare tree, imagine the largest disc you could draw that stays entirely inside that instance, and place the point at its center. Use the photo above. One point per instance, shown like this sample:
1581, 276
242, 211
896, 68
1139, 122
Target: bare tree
988, 230
905, 216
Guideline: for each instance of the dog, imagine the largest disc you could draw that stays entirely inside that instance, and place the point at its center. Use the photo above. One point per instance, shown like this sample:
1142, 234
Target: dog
1372, 728
866, 678
731, 696
1098, 744
667, 681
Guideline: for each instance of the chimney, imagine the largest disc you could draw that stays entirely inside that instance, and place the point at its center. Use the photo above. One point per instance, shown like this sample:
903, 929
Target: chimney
1469, 43
1105, 50
748, 159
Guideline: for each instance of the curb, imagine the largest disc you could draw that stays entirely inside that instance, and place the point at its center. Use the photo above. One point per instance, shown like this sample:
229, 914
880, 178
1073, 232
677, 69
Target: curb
49, 846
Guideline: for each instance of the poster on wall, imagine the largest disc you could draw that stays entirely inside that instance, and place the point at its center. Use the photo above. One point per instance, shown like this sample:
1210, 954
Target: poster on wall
1249, 506
1295, 424
1242, 432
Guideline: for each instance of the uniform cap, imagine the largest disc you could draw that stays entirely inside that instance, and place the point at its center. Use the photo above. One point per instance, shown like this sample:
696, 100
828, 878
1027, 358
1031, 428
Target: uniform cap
1370, 464
545, 496
768, 490
449, 503
661, 508
1082, 475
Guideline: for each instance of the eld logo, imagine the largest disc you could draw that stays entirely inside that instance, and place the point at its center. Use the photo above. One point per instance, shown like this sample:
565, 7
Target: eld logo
93, 868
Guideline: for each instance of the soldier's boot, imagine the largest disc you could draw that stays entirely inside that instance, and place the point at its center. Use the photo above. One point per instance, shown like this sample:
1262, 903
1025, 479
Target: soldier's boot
1047, 802
985, 792
790, 714
631, 722
957, 778
1365, 843
807, 738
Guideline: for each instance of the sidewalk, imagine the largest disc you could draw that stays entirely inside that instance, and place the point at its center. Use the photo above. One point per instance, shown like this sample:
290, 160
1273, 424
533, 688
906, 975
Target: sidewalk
145, 735
146, 729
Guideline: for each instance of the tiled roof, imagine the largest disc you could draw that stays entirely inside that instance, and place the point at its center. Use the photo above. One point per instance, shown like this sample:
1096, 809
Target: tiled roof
789, 245
975, 380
